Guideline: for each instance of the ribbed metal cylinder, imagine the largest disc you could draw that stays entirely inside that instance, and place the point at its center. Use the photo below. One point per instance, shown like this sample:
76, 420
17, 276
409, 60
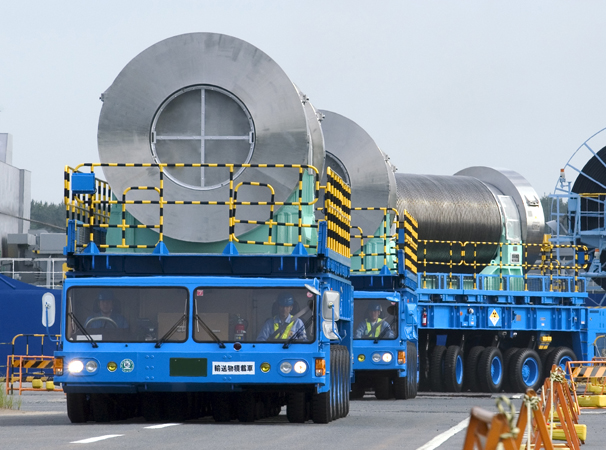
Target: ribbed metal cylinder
451, 208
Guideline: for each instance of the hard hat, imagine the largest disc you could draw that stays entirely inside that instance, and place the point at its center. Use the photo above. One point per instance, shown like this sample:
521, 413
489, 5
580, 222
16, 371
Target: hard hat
285, 299
105, 294
375, 307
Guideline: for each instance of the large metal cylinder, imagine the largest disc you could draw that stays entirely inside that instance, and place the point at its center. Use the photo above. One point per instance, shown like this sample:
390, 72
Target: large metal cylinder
205, 98
354, 155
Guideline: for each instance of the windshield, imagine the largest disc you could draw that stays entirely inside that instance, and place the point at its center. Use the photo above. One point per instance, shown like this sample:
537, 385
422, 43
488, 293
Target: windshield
254, 314
375, 318
127, 314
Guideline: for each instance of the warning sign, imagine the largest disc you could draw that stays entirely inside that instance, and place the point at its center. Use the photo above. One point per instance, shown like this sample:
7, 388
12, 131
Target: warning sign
494, 317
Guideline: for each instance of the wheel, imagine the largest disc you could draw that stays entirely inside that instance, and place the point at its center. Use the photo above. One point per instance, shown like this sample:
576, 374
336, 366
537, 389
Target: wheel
411, 369
320, 407
525, 370
506, 364
453, 369
100, 408
221, 405
102, 319
346, 365
296, 407
333, 383
471, 364
340, 404
357, 391
559, 357
544, 355
436, 368
383, 388
77, 408
176, 406
490, 370
247, 407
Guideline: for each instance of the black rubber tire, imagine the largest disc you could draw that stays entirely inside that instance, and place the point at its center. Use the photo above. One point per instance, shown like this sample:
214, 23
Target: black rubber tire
470, 373
357, 391
320, 407
296, 407
436, 368
383, 388
247, 407
556, 357
516, 370
333, 383
221, 406
489, 356
411, 370
176, 405
346, 366
340, 382
400, 387
544, 355
100, 408
507, 363
77, 408
451, 384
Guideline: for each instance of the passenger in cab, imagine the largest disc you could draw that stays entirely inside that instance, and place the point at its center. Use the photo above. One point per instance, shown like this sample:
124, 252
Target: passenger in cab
373, 327
283, 325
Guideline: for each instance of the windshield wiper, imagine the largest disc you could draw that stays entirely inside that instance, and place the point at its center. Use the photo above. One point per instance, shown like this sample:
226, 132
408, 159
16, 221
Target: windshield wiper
170, 332
210, 332
381, 333
292, 338
79, 325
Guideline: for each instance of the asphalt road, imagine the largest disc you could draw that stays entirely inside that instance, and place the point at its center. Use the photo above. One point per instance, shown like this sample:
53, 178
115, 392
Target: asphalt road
42, 423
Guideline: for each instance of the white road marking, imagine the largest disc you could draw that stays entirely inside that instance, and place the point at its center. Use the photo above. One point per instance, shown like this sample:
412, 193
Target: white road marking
441, 438
163, 425
95, 439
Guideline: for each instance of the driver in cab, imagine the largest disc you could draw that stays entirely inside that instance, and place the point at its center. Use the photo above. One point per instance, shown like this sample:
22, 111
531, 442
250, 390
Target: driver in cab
107, 317
283, 325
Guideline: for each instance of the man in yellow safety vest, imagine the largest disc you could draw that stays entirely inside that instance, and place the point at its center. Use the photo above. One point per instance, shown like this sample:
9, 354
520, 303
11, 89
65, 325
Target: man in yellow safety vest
282, 326
373, 327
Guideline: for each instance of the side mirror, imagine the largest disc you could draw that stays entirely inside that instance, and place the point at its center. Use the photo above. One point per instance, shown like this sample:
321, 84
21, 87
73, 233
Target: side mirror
331, 301
48, 309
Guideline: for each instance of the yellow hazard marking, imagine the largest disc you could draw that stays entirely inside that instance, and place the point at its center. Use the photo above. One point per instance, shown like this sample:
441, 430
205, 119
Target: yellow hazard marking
494, 317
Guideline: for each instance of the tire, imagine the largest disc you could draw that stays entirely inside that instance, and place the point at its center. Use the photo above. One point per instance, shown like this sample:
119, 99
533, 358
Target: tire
357, 391
247, 407
320, 407
559, 357
400, 387
176, 405
412, 370
525, 370
490, 370
100, 408
471, 364
436, 368
333, 383
221, 406
544, 355
296, 407
383, 388
507, 364
453, 369
77, 408
346, 366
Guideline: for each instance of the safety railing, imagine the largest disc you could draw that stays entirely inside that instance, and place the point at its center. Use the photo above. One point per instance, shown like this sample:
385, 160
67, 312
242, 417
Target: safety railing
35, 368
46, 272
390, 216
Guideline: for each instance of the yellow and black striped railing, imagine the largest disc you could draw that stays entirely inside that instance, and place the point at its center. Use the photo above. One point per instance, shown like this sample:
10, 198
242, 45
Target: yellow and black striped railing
92, 210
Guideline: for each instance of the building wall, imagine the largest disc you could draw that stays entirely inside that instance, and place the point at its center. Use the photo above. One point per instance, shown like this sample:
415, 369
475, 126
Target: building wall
15, 195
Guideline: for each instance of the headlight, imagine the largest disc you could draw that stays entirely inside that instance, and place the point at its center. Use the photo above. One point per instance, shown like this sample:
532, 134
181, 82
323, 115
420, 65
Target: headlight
387, 357
286, 367
300, 367
376, 357
91, 366
75, 366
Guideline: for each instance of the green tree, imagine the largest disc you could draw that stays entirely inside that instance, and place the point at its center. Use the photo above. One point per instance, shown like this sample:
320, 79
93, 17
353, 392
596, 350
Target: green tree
47, 215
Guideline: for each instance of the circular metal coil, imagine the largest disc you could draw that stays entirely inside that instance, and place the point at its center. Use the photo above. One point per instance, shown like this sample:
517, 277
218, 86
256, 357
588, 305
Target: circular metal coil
205, 98
451, 208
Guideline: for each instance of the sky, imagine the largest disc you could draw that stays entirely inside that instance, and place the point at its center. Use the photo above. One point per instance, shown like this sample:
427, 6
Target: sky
439, 85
